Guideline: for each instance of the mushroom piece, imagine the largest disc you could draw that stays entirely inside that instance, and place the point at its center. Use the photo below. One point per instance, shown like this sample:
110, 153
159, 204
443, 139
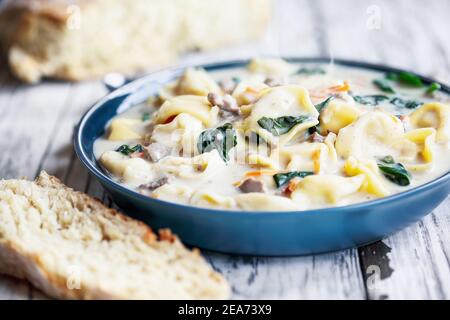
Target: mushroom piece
228, 85
252, 186
156, 151
316, 137
272, 82
226, 103
155, 184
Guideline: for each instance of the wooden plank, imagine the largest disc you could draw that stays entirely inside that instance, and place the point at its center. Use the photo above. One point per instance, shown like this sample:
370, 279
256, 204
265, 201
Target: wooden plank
419, 255
24, 138
420, 252
413, 264
39, 124
329, 276
60, 159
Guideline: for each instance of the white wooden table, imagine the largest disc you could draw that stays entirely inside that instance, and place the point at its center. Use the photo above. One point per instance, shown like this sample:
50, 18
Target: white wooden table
36, 125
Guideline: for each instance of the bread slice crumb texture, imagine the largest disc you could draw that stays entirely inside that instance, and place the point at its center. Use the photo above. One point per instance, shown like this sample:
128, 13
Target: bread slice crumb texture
70, 245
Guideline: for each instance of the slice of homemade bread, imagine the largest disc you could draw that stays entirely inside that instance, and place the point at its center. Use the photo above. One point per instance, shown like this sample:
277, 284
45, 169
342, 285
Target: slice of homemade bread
80, 39
70, 245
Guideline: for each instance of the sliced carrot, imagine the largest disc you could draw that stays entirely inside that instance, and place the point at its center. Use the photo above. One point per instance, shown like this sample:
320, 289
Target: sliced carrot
316, 161
341, 88
137, 155
261, 173
169, 119
293, 185
251, 174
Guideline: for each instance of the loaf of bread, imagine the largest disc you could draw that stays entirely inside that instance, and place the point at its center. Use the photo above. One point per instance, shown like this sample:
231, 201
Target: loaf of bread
70, 245
81, 39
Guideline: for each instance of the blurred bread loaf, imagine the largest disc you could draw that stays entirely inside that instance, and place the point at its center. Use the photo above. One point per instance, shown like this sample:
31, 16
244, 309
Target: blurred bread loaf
81, 39
70, 245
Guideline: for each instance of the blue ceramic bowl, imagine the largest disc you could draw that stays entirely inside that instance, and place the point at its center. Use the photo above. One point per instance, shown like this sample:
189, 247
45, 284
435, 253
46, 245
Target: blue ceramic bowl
254, 233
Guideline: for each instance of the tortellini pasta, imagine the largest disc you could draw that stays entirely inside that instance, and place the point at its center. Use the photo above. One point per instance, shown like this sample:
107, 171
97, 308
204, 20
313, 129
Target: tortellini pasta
173, 193
373, 181
434, 115
271, 67
204, 166
209, 199
277, 136
315, 191
292, 101
425, 140
181, 134
196, 106
196, 82
249, 91
122, 129
338, 115
193, 82
129, 170
314, 157
372, 135
261, 161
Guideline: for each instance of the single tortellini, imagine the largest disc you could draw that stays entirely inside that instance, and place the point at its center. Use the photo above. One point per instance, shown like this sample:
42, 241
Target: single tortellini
265, 202
173, 193
312, 157
121, 129
133, 171
271, 67
337, 115
249, 91
373, 181
261, 161
324, 190
195, 82
375, 134
181, 134
210, 199
204, 166
196, 106
433, 115
281, 102
425, 140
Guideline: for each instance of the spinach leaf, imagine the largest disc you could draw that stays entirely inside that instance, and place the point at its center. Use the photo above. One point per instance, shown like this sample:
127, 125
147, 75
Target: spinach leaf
222, 139
405, 78
408, 104
373, 100
392, 76
145, 116
282, 125
283, 179
409, 79
432, 88
384, 85
321, 106
127, 150
394, 172
311, 71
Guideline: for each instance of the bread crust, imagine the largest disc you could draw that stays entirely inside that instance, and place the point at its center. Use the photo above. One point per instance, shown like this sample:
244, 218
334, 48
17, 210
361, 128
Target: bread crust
23, 264
39, 44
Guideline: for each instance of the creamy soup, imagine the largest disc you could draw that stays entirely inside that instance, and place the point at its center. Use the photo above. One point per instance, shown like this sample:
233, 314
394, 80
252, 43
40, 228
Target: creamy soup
276, 136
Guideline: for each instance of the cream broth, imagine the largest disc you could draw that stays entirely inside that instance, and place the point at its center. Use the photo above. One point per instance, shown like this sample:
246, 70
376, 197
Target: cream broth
281, 137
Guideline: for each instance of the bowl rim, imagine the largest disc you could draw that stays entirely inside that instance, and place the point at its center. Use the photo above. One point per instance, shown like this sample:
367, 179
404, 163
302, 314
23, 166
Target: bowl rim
136, 84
